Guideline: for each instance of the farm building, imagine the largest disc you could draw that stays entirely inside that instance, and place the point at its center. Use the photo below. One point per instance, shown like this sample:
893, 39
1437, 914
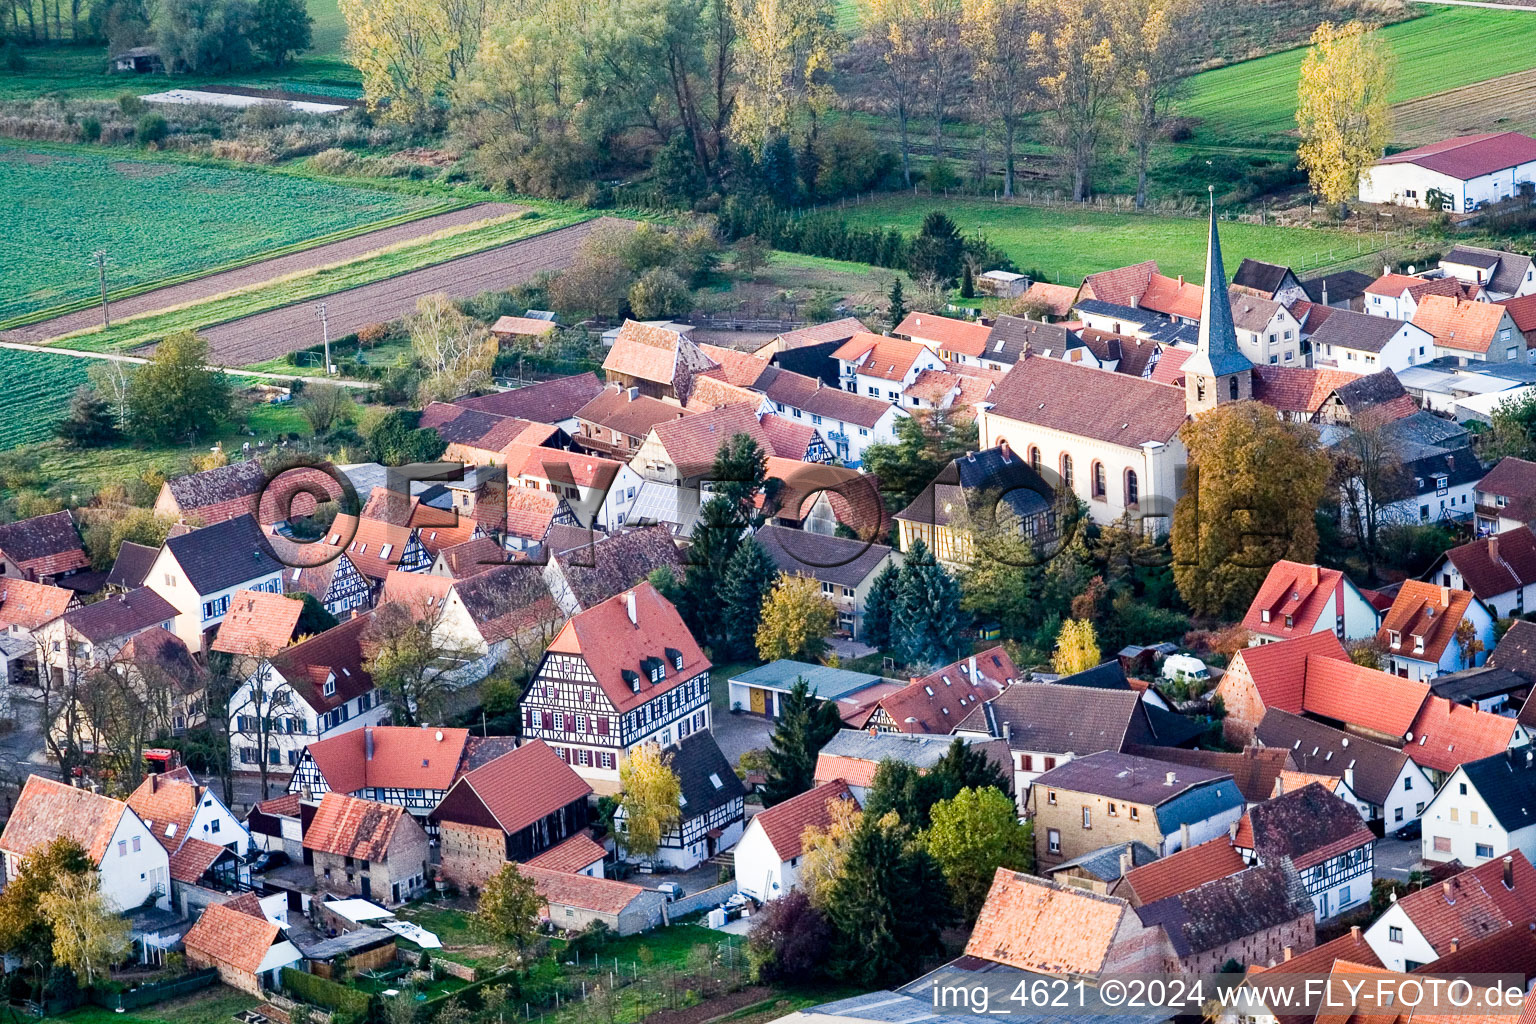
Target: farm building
1457, 174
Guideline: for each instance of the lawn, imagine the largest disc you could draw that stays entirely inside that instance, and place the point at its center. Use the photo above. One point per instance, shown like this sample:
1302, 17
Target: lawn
1255, 101
37, 389
1066, 244
217, 1005
157, 219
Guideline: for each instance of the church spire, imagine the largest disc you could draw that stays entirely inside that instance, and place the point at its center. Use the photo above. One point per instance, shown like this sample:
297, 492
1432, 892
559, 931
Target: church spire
1218, 371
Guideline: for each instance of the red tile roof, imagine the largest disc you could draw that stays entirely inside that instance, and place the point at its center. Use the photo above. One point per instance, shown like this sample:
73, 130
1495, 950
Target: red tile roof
523, 785
574, 469
578, 852
1170, 365
1295, 388
856, 771
193, 859
1110, 407
1055, 299
258, 623
1184, 870
1470, 156
1173, 296
788, 439
954, 693
1522, 310
472, 557
530, 512
225, 935
1426, 610
960, 336
599, 895
337, 655
1121, 286
29, 605
1394, 285
167, 807
614, 648
1279, 670
1295, 590
1515, 480
46, 810
785, 823
1495, 565
714, 393
348, 827
649, 353
548, 401
44, 545
1447, 735
402, 758
882, 357
743, 369
1468, 326
1346, 692
1474, 904
524, 325
1037, 925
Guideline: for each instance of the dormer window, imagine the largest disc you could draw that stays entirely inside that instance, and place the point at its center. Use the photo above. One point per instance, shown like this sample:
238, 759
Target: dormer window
1396, 638
633, 679
1264, 615
1418, 644
1289, 622
330, 686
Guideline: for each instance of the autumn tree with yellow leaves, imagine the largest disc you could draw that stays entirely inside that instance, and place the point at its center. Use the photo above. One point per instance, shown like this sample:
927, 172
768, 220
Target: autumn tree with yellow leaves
997, 34
649, 805
1079, 82
1077, 647
796, 621
1343, 108
825, 850
784, 52
1150, 51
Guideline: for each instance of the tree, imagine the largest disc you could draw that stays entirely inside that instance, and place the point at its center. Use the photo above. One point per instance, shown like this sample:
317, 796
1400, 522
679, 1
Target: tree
966, 766
1254, 484
784, 53
927, 622
924, 445
204, 37
89, 934
396, 440
889, 906
937, 250
510, 909
751, 256
789, 940
281, 28
1468, 643
659, 294
973, 834
1368, 469
110, 378
1343, 108
415, 660
806, 723
901, 789
25, 930
90, 421
456, 351
896, 304
175, 394
825, 849
325, 406
649, 800
880, 606
1078, 85
740, 474
997, 33
1077, 648
408, 52
104, 535
1150, 49
750, 576
796, 621
249, 700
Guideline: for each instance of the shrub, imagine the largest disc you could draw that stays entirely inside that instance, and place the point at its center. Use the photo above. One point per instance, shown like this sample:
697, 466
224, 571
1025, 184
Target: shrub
15, 60
151, 128
332, 161
90, 129
130, 104
347, 1004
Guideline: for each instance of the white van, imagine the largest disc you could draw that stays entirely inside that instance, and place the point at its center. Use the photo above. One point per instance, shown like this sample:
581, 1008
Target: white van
1186, 668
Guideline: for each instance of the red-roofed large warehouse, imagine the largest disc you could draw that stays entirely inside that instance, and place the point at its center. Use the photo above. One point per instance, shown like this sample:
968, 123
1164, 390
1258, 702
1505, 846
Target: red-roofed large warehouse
1463, 172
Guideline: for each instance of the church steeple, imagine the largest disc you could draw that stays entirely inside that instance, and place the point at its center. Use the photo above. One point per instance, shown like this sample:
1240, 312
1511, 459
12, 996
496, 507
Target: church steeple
1218, 371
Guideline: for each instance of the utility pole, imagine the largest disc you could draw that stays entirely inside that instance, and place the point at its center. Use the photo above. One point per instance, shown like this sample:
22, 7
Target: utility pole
100, 255
325, 332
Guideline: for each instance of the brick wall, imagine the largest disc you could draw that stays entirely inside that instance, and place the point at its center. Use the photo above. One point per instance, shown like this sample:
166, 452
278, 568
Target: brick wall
470, 853
1241, 698
1066, 816
1263, 947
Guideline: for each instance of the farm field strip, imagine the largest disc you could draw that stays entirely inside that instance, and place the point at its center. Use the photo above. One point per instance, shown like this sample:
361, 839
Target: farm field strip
1457, 111
314, 283
1451, 47
37, 388
220, 283
1067, 244
157, 220
279, 331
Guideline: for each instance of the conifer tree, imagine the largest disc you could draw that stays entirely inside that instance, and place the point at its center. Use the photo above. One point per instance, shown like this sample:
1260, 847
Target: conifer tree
880, 606
927, 622
749, 579
806, 723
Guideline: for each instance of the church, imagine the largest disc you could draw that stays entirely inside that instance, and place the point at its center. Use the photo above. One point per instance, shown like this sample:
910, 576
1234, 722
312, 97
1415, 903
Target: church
1112, 439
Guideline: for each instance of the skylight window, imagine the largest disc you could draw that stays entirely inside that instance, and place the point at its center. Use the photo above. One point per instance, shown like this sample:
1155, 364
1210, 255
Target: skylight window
714, 778
170, 830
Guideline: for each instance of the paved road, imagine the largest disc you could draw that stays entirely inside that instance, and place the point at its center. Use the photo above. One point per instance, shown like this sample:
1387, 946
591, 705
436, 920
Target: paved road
1395, 858
117, 357
264, 270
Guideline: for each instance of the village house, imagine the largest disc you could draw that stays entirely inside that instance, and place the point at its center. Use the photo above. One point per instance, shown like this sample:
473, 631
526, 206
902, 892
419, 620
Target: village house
247, 950
1142, 287
309, 691
993, 492
1385, 783
1419, 632
1256, 770
954, 341
854, 755
25, 607
199, 572
1297, 600
134, 867
621, 673
1501, 275
661, 363
1506, 496
335, 582
479, 438
881, 367
519, 807
947, 697
763, 690
1268, 281
577, 902
43, 549
615, 422
1458, 174
213, 495
1102, 870
277, 824
1397, 296
1322, 836
1048, 302
175, 808
1484, 810
1499, 570
1162, 877
1433, 921
590, 573
1362, 343
951, 392
1267, 333
711, 805
849, 421
259, 623
1523, 312
1344, 289
1251, 916
532, 329
550, 401
1104, 797
1482, 331
845, 568
93, 635
368, 849
767, 859
808, 351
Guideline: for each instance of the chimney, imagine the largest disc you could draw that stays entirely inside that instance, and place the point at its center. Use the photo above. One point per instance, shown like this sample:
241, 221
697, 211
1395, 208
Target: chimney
1135, 301
1288, 953
1007, 732
1127, 860
1354, 932
1325, 291
1455, 945
971, 670
1279, 786
1232, 832
1445, 888
1181, 280
1313, 573
1170, 778
1184, 835
1445, 596
368, 743
1493, 548
629, 606
632, 394
1509, 872
154, 783
1349, 778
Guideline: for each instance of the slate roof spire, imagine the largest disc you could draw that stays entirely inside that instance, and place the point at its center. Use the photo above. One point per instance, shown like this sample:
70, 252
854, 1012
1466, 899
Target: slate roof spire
1216, 354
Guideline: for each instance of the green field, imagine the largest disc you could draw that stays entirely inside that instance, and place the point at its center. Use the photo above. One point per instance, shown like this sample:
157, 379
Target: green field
1255, 102
1067, 244
36, 389
155, 219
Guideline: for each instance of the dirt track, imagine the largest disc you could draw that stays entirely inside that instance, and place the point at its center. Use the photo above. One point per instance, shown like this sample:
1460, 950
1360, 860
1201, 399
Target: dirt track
276, 332
255, 273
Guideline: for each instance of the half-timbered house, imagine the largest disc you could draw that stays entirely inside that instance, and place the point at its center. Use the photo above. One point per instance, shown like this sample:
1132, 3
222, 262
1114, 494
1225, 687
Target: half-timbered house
711, 802
621, 673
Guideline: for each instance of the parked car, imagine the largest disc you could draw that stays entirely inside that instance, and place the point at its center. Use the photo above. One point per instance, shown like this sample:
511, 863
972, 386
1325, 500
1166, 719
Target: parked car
268, 860
672, 889
1184, 667
1413, 830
